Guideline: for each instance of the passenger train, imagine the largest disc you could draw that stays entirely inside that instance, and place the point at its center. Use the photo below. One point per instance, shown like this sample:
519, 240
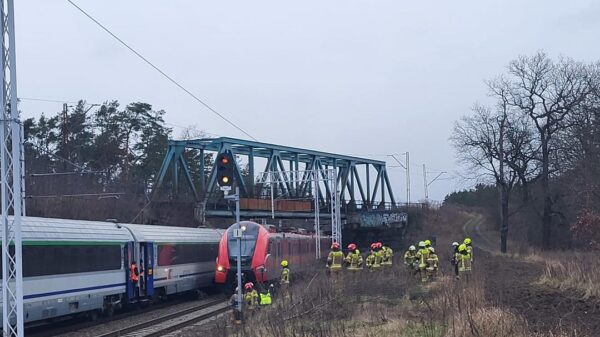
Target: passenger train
262, 252
73, 267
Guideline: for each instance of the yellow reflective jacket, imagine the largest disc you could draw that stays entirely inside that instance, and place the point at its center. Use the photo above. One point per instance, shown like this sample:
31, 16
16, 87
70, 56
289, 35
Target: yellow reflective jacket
285, 276
432, 261
410, 257
464, 262
354, 260
470, 251
265, 298
374, 260
251, 299
387, 254
335, 259
422, 256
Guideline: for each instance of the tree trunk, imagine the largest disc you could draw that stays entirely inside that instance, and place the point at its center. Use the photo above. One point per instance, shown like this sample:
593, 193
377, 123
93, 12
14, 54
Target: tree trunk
504, 198
546, 217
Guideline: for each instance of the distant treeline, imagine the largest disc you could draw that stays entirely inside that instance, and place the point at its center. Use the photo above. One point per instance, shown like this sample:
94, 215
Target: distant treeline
87, 152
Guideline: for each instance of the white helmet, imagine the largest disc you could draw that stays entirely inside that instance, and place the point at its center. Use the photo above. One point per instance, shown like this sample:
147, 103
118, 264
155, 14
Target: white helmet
454, 244
431, 249
412, 248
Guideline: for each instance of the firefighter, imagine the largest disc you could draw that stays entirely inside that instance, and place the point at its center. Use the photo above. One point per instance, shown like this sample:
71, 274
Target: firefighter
464, 260
354, 260
469, 245
410, 257
266, 296
335, 258
285, 274
251, 296
454, 260
374, 259
422, 256
284, 281
387, 255
432, 264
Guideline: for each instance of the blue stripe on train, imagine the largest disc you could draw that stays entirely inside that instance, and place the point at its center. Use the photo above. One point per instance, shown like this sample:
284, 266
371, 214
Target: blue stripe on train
68, 291
74, 290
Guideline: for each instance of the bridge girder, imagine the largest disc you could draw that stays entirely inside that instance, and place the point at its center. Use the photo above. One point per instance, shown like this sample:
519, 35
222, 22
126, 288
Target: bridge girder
355, 188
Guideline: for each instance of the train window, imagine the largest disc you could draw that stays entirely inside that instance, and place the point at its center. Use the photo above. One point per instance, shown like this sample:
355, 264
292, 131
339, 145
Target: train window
57, 260
173, 254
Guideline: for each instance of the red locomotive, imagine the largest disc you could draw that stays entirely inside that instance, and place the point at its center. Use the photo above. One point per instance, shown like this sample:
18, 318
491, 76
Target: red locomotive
262, 252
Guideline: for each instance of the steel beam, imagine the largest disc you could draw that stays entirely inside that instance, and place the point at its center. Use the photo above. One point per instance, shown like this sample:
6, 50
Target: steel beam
12, 180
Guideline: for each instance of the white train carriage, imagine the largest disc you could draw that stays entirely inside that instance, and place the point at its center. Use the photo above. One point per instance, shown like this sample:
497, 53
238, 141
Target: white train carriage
71, 267
182, 258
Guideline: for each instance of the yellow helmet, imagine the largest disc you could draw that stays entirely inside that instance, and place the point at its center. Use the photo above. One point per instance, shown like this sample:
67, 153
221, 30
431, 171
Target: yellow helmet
427, 243
462, 248
284, 263
467, 241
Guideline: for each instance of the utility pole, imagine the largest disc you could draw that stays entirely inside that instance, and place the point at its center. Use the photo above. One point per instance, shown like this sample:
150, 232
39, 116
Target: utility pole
406, 167
12, 180
407, 178
425, 182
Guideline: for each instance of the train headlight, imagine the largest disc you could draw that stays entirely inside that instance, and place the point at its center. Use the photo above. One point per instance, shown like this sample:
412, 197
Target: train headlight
243, 228
220, 268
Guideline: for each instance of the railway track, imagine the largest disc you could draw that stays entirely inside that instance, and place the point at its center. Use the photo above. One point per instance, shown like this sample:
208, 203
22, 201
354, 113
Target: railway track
172, 322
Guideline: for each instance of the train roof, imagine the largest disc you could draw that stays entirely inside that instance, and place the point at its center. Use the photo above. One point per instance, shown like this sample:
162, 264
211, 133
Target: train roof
169, 234
36, 229
51, 229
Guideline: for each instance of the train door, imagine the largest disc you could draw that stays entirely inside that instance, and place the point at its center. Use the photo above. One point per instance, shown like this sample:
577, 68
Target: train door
129, 259
147, 263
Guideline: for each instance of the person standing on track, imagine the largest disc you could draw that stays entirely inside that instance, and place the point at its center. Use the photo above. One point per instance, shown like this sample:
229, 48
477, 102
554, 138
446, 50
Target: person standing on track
335, 259
354, 260
233, 302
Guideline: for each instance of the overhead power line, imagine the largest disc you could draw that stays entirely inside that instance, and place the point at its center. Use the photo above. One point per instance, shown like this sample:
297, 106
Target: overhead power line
165, 75
45, 100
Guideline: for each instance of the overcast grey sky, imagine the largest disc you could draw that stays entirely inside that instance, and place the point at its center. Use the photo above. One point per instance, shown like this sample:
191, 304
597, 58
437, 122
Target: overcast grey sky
353, 77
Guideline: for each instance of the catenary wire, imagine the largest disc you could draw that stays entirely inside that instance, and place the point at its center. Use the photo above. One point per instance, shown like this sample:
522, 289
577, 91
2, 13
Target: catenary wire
164, 74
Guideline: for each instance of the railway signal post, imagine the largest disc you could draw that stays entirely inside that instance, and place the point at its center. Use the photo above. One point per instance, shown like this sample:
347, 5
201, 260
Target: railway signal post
225, 179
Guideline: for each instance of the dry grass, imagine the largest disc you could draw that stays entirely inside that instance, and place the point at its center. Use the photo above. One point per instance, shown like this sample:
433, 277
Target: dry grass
575, 272
376, 305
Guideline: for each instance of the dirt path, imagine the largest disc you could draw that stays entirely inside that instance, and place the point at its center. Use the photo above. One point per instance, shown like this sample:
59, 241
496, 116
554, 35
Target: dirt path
513, 283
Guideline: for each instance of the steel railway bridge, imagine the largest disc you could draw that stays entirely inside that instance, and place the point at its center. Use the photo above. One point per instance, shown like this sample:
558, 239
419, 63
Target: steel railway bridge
187, 172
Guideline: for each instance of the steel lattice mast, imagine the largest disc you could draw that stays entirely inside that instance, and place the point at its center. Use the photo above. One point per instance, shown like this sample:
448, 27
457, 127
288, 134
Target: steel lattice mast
12, 181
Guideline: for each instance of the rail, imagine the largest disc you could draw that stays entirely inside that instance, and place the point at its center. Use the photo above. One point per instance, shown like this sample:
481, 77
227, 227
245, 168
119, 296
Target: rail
172, 322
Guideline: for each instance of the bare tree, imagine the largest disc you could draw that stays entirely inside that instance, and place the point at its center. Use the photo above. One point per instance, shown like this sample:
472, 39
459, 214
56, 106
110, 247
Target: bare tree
491, 141
548, 93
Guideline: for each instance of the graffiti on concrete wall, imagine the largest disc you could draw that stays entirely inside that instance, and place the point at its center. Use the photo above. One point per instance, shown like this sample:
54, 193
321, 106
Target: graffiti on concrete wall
386, 219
